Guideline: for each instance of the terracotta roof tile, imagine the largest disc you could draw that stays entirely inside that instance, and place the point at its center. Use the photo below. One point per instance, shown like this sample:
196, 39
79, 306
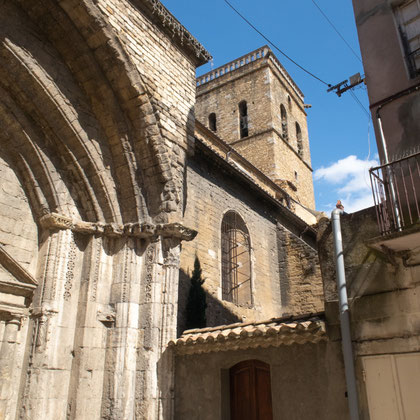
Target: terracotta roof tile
274, 332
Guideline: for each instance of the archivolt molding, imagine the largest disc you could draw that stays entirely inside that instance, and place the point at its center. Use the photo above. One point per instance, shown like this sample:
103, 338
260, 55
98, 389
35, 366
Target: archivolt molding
130, 89
121, 104
55, 221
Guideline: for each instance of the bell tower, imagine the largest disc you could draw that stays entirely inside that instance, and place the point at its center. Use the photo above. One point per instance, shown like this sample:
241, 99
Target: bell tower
253, 104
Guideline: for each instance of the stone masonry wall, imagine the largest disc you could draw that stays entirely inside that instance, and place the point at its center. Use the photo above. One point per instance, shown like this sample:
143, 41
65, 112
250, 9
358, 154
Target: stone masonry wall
18, 231
168, 75
96, 119
210, 195
285, 270
222, 96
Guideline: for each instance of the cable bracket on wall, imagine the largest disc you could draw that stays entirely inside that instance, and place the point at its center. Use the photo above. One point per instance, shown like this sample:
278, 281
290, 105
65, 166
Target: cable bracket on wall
346, 85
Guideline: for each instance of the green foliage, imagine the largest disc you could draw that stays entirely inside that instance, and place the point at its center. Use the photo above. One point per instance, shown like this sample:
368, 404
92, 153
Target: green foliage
196, 303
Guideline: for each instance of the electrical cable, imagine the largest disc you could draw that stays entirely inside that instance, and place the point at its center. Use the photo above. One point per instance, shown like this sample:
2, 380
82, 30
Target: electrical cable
336, 30
360, 104
275, 46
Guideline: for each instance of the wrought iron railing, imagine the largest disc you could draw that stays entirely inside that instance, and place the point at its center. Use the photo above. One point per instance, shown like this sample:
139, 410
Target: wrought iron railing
396, 193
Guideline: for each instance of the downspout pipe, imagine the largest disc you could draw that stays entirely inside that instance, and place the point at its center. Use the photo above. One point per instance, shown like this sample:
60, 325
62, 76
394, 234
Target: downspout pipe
344, 316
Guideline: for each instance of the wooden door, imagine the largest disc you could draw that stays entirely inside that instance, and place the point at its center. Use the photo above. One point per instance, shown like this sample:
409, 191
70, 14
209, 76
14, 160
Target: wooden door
250, 391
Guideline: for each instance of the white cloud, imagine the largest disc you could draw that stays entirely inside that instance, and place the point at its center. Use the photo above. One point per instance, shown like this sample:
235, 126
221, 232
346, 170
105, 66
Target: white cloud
348, 179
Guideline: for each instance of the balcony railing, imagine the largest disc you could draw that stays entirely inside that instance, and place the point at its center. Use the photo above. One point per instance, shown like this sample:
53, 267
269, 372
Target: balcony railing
396, 193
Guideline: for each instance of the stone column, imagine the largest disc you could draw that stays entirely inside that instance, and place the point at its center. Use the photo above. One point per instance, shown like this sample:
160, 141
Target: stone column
9, 343
166, 368
120, 382
51, 353
158, 321
150, 323
95, 318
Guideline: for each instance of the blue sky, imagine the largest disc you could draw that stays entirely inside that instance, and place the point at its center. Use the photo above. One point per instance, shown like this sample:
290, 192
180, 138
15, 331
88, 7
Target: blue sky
341, 137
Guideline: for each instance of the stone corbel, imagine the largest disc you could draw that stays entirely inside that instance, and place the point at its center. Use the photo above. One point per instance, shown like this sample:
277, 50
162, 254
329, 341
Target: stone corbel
172, 234
176, 230
106, 317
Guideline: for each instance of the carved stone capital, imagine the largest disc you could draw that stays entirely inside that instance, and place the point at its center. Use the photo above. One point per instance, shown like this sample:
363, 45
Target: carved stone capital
87, 228
139, 230
56, 221
113, 230
11, 317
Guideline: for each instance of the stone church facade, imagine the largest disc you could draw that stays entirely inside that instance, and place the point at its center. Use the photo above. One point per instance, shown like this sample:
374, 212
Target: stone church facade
110, 189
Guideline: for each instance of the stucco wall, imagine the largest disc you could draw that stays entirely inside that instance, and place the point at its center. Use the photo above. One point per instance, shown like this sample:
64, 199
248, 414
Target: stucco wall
383, 292
307, 382
387, 74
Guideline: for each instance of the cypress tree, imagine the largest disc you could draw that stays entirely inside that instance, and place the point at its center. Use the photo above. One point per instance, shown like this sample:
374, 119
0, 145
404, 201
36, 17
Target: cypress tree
196, 303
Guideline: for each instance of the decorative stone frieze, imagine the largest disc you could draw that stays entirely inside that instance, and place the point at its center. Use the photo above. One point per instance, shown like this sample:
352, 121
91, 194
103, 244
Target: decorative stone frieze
55, 221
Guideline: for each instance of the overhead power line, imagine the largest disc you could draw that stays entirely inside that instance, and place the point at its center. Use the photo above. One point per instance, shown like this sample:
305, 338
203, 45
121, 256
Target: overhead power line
360, 104
336, 30
274, 45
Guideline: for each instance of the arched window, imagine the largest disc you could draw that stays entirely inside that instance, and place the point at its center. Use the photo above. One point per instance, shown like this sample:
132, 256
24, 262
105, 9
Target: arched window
250, 391
236, 260
289, 102
243, 119
299, 140
212, 122
283, 115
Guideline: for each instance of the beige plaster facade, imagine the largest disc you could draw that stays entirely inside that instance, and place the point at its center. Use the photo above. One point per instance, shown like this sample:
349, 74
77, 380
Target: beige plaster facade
389, 73
306, 380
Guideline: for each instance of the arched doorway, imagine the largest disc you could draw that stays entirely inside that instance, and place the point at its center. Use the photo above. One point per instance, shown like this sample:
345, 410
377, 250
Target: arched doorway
250, 391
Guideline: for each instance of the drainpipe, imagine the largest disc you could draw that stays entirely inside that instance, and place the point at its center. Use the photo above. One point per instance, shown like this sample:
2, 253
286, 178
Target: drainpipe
344, 317
388, 170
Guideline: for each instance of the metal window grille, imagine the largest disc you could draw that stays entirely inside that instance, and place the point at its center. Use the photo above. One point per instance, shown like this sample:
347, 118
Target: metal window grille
236, 261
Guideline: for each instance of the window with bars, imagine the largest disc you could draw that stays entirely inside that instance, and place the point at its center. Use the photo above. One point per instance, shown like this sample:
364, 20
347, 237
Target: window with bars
408, 19
236, 260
